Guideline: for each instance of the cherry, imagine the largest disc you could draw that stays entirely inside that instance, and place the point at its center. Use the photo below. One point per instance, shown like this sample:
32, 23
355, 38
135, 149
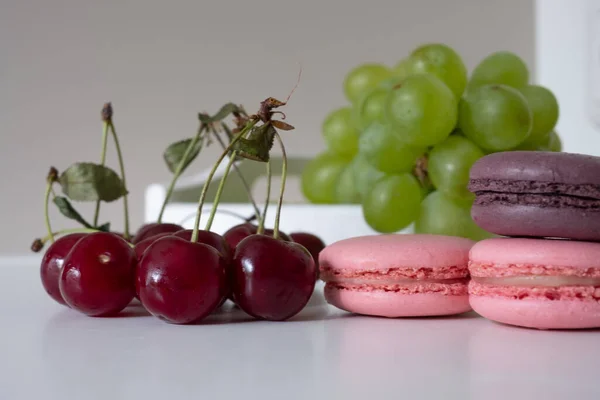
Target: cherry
180, 281
272, 279
239, 232
141, 247
97, 277
210, 238
218, 242
53, 261
154, 228
313, 244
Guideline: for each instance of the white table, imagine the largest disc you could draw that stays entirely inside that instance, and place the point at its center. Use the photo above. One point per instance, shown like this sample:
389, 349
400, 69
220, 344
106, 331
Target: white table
50, 352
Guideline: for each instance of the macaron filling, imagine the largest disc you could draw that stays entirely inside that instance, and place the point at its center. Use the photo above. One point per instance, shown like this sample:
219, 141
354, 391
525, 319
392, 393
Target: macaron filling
537, 280
450, 280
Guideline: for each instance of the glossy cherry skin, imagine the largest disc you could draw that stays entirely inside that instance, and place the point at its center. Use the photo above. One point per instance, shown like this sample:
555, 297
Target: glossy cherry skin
312, 243
272, 279
240, 232
179, 281
218, 242
154, 228
141, 247
53, 261
97, 278
210, 238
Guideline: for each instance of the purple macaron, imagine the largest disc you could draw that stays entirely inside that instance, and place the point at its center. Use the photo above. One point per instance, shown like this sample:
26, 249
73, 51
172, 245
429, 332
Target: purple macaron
537, 194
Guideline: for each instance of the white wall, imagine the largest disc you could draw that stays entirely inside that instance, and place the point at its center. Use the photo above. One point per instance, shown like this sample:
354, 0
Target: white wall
568, 61
160, 62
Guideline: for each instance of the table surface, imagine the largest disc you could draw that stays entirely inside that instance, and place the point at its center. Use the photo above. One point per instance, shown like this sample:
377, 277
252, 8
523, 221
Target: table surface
50, 352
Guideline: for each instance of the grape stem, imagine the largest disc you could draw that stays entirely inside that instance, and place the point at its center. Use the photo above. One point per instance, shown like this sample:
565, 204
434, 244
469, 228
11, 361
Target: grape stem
239, 173
102, 162
179, 171
282, 190
261, 224
122, 168
246, 128
213, 211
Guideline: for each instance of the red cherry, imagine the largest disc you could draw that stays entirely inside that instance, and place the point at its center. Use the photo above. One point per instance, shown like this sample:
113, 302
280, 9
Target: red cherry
97, 277
154, 228
53, 261
218, 242
140, 247
272, 279
313, 244
210, 238
180, 281
240, 232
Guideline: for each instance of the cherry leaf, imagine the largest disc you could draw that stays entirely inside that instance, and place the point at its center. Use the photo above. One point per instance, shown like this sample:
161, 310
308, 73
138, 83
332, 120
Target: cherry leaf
104, 227
258, 144
66, 209
91, 182
176, 151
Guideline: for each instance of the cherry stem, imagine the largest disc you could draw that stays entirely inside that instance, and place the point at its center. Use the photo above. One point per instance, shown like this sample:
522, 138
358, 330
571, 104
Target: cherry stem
229, 147
46, 213
213, 211
283, 178
179, 171
102, 162
239, 173
122, 168
261, 222
65, 232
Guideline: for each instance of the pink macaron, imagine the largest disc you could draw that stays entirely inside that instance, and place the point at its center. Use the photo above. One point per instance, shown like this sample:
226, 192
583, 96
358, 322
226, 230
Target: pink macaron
535, 283
397, 275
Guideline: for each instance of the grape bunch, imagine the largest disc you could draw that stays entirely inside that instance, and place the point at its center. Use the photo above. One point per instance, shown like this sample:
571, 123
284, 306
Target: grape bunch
404, 145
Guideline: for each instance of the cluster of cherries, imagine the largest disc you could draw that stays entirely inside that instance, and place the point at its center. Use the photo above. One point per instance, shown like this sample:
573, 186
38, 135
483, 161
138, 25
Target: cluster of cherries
182, 275
181, 281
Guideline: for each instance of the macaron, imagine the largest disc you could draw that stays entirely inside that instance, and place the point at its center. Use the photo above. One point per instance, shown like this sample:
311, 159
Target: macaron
537, 194
397, 275
536, 283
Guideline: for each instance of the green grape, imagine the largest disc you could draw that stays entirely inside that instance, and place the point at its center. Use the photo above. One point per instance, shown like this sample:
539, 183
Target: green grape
548, 142
340, 133
320, 176
371, 107
442, 216
554, 142
495, 117
393, 203
365, 175
450, 163
441, 61
544, 109
385, 151
401, 70
346, 191
502, 67
422, 110
363, 78
390, 83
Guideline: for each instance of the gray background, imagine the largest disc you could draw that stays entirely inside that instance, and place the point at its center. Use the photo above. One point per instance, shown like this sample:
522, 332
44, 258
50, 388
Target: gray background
160, 62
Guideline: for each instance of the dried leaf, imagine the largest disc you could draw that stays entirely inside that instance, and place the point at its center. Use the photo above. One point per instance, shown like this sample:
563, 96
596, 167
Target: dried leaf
91, 182
176, 151
284, 126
